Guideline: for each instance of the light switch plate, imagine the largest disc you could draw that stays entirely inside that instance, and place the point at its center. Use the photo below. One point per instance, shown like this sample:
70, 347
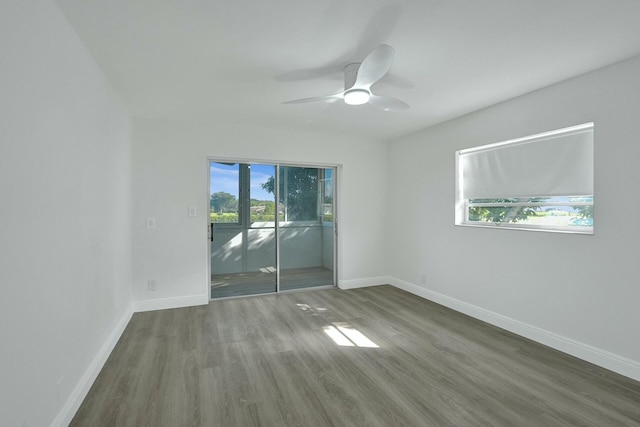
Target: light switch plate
151, 223
193, 211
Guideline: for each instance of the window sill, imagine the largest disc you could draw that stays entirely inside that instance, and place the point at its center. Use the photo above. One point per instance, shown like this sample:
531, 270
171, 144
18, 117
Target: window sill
528, 227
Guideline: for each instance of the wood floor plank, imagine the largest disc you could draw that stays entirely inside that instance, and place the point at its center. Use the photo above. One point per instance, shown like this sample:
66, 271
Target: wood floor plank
269, 361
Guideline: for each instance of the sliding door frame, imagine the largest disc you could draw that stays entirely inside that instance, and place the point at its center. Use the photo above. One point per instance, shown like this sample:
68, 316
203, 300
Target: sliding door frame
337, 171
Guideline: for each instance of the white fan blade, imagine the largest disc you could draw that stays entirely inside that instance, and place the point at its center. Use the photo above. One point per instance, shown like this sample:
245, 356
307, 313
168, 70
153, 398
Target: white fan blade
325, 98
374, 66
387, 103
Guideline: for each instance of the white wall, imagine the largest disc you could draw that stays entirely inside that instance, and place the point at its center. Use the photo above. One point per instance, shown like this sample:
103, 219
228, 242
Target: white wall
579, 293
65, 186
171, 174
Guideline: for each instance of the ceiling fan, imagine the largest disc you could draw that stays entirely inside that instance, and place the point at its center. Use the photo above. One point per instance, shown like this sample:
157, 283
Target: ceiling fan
358, 79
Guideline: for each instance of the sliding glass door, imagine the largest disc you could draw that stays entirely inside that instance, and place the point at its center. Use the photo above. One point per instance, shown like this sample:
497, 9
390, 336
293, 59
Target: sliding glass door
271, 228
242, 230
306, 227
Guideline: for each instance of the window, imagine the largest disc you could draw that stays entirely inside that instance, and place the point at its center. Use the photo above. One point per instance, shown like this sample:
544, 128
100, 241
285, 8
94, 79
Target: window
225, 191
326, 195
541, 182
262, 203
242, 194
299, 193
245, 195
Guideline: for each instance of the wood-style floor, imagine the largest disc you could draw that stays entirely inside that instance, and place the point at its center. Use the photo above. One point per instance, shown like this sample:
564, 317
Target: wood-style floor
270, 361
264, 282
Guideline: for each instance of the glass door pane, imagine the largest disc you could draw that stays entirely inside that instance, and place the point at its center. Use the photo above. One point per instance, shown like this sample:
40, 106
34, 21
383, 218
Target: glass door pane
243, 243
306, 229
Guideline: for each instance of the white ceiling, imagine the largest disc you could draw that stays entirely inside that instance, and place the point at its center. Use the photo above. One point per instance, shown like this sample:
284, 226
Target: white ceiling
238, 60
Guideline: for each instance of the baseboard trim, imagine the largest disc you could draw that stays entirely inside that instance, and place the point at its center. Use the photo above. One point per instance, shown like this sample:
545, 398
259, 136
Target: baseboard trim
80, 391
167, 303
363, 283
613, 362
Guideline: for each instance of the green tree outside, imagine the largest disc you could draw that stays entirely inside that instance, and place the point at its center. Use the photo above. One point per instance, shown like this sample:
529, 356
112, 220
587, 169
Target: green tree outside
299, 191
223, 202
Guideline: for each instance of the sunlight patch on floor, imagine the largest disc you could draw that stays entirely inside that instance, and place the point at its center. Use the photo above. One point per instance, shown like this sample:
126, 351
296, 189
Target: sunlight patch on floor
346, 335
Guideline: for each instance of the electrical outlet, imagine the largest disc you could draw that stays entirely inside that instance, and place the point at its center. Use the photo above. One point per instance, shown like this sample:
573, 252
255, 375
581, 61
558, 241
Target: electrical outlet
423, 278
151, 285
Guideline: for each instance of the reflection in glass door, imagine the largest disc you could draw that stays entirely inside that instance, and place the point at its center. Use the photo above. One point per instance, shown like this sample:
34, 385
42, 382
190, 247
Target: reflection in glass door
260, 246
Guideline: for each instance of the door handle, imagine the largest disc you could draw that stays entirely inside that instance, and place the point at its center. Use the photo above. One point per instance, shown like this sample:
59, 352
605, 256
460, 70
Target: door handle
211, 232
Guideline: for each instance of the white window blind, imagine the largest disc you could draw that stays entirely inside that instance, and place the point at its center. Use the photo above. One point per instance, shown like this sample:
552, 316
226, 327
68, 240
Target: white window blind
558, 163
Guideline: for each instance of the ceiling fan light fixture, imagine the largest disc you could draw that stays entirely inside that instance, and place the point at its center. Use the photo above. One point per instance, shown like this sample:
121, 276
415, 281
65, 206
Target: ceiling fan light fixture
356, 96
